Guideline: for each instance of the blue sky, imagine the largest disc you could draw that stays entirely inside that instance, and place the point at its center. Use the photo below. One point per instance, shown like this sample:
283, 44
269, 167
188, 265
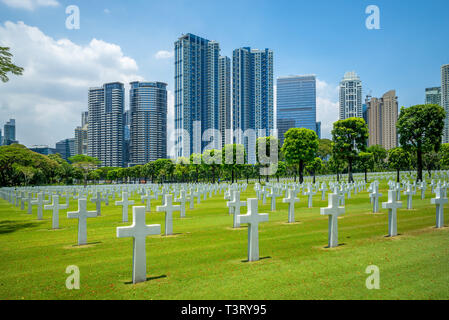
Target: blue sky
326, 38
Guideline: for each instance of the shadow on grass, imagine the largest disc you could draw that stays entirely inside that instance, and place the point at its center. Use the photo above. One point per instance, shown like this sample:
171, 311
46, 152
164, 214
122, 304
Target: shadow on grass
13, 226
262, 258
150, 279
339, 245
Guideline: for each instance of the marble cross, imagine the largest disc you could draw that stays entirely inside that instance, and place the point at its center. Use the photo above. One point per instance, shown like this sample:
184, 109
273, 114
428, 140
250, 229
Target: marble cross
392, 205
40, 203
291, 200
375, 195
55, 207
168, 208
29, 203
273, 196
147, 199
124, 203
139, 231
97, 200
323, 190
82, 214
333, 211
409, 193
253, 218
236, 204
182, 199
310, 193
439, 201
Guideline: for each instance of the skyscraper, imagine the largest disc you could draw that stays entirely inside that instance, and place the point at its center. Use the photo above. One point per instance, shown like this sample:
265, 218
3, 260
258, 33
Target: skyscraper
224, 81
81, 140
350, 96
66, 148
196, 93
252, 97
105, 130
148, 109
382, 119
433, 95
9, 132
296, 104
445, 100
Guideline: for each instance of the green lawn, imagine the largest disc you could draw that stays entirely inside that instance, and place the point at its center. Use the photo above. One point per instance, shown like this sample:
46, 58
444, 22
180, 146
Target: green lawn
205, 259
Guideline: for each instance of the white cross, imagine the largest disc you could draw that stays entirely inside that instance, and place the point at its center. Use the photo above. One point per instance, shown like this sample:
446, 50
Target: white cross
310, 193
29, 201
252, 218
392, 205
40, 203
182, 199
333, 211
139, 231
82, 214
97, 200
323, 190
168, 208
55, 207
409, 193
124, 203
273, 196
439, 201
236, 204
375, 198
291, 200
147, 198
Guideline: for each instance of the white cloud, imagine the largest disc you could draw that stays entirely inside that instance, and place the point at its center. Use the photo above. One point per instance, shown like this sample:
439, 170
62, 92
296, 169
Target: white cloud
30, 4
327, 107
163, 54
47, 100
107, 11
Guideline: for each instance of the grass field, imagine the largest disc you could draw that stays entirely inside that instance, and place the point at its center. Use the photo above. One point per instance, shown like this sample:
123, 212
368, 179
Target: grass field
205, 258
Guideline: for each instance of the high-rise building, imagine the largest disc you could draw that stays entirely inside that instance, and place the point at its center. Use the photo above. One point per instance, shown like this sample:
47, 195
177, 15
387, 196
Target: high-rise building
318, 129
351, 96
433, 95
224, 100
66, 148
105, 130
445, 100
296, 104
42, 149
148, 109
252, 97
1, 137
196, 93
382, 118
9, 132
84, 118
127, 137
81, 140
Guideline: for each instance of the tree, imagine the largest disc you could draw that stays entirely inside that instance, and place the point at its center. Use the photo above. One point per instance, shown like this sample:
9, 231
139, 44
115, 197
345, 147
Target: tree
182, 168
444, 152
398, 159
379, 155
212, 159
336, 165
300, 147
234, 157
366, 161
85, 163
265, 144
7, 66
349, 137
324, 149
196, 160
420, 129
315, 166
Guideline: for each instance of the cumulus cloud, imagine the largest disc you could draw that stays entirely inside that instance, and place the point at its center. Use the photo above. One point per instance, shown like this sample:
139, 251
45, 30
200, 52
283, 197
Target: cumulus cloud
163, 54
47, 100
30, 4
327, 106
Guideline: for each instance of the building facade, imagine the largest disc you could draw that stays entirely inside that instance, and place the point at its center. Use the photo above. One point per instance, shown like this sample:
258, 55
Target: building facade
350, 96
9, 133
66, 148
196, 94
433, 95
382, 118
148, 122
252, 97
105, 129
81, 140
224, 81
296, 104
445, 100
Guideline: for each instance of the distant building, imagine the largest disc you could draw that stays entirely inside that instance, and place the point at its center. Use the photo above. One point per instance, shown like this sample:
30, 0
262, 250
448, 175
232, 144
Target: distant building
252, 97
84, 118
44, 150
318, 129
382, 117
81, 140
296, 104
105, 129
148, 122
445, 100
433, 95
9, 133
350, 96
224, 100
66, 148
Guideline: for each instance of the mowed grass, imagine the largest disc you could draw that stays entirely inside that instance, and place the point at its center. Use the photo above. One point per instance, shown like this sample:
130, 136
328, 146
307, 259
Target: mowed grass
205, 259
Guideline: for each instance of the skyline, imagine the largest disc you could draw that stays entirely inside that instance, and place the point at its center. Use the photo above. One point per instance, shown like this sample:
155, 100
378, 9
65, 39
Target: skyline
61, 93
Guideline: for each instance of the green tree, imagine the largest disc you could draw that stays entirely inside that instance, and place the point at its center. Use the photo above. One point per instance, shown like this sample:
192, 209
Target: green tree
196, 160
420, 129
234, 158
444, 153
398, 159
379, 156
266, 144
6, 65
324, 148
349, 137
336, 165
85, 163
300, 147
366, 162
212, 160
315, 166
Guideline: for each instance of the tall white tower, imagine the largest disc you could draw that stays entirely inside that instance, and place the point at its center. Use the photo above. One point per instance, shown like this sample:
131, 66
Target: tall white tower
351, 96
